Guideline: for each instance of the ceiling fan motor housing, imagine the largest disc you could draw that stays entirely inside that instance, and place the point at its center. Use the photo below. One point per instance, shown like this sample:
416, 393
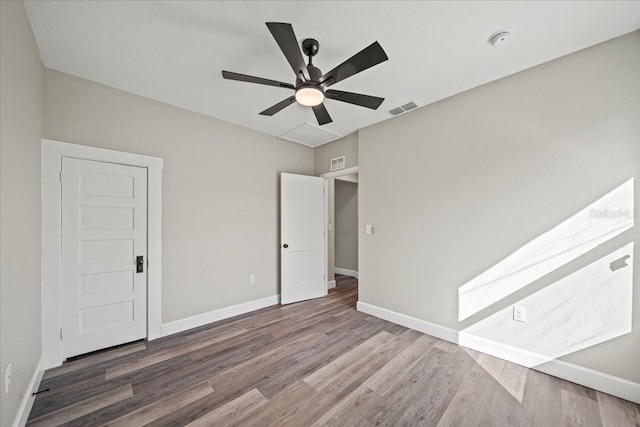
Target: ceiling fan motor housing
314, 74
310, 93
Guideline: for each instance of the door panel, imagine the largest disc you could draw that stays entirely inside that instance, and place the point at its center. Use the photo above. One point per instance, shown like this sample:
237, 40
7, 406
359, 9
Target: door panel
101, 218
104, 229
302, 238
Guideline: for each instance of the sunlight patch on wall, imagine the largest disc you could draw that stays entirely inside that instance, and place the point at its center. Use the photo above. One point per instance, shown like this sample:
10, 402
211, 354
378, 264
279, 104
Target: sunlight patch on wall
585, 308
600, 221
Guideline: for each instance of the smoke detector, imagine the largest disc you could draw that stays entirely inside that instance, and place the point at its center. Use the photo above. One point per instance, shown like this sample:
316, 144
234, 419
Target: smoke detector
499, 38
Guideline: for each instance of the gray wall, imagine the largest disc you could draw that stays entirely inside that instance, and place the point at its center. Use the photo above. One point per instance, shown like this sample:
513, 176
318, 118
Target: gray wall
220, 188
347, 146
455, 187
21, 96
346, 225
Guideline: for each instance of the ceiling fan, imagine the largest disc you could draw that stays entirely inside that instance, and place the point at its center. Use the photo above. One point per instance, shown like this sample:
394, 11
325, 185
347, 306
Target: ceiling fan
310, 87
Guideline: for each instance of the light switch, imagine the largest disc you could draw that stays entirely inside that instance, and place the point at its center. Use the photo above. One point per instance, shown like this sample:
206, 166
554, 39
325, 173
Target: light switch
330, 226
368, 228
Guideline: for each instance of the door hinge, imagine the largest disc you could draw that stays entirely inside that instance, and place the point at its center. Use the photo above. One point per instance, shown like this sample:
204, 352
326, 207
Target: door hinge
60, 176
60, 334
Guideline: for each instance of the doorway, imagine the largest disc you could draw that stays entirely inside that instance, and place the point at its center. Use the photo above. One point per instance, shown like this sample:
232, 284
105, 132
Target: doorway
346, 225
342, 226
53, 155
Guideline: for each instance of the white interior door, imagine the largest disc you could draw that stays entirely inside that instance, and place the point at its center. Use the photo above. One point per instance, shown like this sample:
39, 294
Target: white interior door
302, 244
104, 231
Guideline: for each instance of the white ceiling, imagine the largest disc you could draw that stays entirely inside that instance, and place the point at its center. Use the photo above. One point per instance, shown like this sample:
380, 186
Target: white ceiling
174, 51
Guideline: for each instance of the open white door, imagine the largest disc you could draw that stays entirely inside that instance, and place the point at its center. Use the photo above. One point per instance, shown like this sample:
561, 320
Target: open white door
104, 252
302, 246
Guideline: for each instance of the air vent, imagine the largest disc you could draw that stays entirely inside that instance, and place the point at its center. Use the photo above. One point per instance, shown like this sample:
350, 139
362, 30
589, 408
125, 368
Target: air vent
404, 108
337, 163
409, 106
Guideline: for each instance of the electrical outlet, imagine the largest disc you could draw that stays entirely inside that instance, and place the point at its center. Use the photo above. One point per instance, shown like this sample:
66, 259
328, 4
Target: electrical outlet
252, 278
7, 378
519, 313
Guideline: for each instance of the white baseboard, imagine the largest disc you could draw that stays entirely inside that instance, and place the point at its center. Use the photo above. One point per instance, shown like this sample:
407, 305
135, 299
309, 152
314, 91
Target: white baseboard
346, 272
27, 400
423, 326
503, 351
216, 315
331, 284
596, 380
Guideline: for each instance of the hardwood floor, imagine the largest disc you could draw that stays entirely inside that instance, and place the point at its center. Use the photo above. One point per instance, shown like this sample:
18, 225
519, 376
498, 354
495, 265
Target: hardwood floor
315, 363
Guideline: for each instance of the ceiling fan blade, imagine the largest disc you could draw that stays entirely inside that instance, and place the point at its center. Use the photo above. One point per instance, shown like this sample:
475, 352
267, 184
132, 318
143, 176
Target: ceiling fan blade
322, 115
251, 79
279, 106
366, 58
367, 101
286, 39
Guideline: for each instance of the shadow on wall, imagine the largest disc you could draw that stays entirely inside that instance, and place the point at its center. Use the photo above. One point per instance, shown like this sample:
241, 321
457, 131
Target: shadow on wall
584, 308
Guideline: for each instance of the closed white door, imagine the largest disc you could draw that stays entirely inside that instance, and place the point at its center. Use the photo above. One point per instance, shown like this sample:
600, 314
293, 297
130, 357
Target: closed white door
104, 252
302, 251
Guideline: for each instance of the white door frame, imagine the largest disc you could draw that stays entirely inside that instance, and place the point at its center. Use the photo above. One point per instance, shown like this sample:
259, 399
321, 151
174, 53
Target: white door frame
325, 235
326, 176
341, 172
52, 153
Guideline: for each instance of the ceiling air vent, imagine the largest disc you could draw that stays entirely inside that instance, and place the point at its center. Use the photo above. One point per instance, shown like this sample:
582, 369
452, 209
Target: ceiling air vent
409, 106
403, 108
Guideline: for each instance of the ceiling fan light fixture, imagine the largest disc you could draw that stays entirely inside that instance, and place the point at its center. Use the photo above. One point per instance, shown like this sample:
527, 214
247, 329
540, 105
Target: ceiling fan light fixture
309, 96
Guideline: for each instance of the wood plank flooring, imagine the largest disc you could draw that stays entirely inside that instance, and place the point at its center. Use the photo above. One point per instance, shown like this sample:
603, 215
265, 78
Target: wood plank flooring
312, 363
